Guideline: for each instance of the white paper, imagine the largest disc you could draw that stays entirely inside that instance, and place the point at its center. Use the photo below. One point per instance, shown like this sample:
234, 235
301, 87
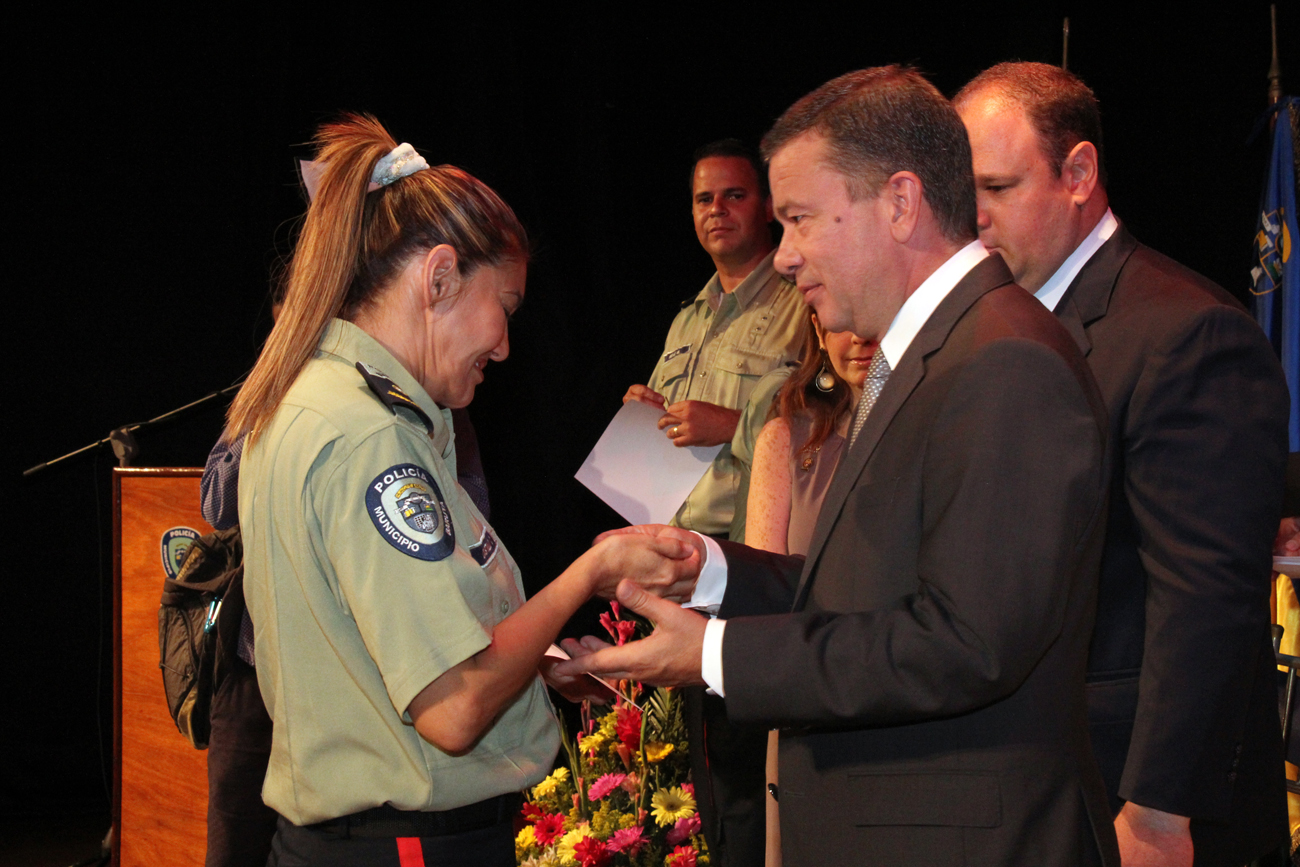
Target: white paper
557, 652
638, 471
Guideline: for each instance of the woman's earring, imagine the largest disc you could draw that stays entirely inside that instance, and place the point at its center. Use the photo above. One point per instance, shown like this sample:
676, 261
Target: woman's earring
825, 380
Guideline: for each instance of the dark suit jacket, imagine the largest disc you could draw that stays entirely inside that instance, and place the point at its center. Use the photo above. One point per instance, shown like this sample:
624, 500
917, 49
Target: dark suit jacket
929, 682
1181, 695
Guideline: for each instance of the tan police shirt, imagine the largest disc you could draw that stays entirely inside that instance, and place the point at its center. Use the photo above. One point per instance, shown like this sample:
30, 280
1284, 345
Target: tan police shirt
368, 574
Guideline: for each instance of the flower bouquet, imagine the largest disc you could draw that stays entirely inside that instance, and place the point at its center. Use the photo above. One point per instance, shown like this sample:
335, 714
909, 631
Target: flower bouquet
625, 798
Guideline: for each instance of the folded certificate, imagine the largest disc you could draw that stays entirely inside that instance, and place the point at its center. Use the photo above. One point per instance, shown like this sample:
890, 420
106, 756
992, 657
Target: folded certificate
638, 471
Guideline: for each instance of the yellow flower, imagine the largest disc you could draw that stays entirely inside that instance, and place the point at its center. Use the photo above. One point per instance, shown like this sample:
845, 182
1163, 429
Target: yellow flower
547, 786
671, 804
565, 847
657, 751
524, 841
593, 742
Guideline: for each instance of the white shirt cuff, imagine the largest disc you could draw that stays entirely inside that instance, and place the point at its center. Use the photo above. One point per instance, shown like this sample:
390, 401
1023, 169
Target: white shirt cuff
711, 658
712, 583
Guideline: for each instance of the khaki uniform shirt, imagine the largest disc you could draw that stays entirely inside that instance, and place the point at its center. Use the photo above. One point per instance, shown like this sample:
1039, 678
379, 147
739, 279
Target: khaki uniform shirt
369, 573
718, 348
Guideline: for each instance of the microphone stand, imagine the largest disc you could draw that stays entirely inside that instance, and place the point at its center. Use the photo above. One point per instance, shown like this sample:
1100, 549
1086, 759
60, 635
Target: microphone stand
123, 439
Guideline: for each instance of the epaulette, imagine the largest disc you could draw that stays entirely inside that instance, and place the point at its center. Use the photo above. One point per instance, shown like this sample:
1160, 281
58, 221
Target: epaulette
390, 394
689, 301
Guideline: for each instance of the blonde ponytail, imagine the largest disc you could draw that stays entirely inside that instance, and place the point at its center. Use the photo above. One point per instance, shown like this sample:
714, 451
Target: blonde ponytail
353, 243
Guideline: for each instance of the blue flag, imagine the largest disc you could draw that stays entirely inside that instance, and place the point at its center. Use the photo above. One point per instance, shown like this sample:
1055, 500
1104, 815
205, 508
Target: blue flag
1276, 274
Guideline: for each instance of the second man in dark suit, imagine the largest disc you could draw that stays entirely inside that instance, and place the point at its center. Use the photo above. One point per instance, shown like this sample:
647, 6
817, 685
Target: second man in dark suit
1181, 694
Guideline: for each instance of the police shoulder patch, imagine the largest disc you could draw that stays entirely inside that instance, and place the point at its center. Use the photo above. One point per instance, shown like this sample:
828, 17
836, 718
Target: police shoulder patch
390, 394
407, 508
176, 544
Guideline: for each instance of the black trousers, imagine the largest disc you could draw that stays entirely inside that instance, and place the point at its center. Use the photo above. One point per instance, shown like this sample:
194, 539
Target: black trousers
240, 826
728, 766
337, 844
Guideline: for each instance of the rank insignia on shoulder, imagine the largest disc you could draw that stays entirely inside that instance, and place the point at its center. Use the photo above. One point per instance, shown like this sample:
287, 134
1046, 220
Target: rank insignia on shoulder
390, 394
407, 508
485, 548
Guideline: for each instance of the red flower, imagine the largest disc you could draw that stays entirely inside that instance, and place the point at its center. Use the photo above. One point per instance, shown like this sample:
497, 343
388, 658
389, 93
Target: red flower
548, 828
627, 725
532, 812
682, 856
619, 630
591, 852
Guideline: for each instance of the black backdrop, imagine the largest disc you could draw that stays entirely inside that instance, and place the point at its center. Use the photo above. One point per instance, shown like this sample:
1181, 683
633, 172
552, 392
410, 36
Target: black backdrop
150, 190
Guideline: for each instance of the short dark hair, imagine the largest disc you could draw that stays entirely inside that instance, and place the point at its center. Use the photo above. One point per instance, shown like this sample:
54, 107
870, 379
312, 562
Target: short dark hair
1063, 110
731, 147
884, 120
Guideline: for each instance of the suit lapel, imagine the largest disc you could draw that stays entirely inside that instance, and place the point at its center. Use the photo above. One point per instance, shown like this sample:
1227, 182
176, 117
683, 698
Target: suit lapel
1089, 295
903, 380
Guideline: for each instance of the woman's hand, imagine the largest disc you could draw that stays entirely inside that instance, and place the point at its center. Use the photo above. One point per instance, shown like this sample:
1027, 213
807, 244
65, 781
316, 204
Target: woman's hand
575, 687
665, 564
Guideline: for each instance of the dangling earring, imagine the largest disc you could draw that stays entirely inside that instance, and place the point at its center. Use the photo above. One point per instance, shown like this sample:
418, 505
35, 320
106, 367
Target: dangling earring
825, 380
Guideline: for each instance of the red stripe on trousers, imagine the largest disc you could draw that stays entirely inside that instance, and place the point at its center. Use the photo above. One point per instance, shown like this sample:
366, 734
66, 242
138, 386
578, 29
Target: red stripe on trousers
409, 852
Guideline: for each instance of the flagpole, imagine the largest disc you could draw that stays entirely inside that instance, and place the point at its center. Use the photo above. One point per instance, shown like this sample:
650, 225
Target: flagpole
1274, 69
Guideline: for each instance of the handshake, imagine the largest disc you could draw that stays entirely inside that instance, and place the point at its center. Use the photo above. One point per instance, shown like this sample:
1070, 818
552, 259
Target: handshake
651, 570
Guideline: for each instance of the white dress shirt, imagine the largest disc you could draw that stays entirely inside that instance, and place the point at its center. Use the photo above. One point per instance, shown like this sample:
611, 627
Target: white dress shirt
1050, 292
916, 310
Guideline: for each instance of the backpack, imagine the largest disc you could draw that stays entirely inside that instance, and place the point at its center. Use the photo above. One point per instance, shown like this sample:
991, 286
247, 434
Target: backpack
198, 629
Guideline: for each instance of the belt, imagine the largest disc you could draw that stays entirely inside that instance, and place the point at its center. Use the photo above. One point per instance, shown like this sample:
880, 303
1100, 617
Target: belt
389, 821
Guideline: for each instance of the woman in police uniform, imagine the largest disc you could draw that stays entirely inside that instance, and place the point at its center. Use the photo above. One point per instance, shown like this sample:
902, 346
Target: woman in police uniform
395, 650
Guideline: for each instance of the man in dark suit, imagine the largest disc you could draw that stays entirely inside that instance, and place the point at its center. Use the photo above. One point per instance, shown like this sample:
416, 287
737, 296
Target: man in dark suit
925, 664
1181, 694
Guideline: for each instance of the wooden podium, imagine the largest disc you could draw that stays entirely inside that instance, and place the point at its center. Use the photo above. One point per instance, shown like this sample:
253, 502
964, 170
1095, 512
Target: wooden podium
160, 782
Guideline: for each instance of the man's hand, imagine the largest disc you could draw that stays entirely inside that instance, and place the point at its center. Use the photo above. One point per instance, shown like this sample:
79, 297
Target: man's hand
1151, 838
696, 423
646, 395
656, 530
670, 656
1287, 543
665, 563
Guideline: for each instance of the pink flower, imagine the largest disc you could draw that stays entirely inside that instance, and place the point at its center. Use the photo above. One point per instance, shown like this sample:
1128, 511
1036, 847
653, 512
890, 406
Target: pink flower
682, 856
629, 840
605, 785
684, 828
689, 788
